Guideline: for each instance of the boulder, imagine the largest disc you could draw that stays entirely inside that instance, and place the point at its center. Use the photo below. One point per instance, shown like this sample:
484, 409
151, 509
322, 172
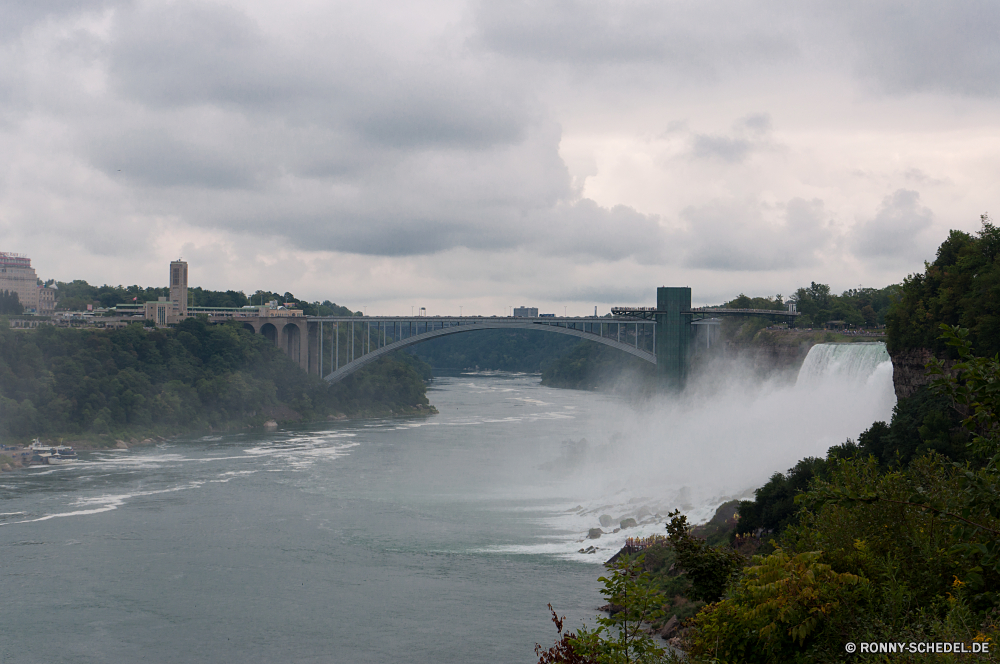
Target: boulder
594, 533
6, 467
121, 445
606, 521
670, 628
628, 523
617, 530
270, 424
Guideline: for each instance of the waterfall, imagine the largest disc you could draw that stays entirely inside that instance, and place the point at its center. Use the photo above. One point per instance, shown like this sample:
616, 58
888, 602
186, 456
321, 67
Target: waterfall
849, 364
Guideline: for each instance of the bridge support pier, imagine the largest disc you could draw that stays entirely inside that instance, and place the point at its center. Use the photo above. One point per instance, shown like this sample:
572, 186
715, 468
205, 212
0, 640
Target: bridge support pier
673, 336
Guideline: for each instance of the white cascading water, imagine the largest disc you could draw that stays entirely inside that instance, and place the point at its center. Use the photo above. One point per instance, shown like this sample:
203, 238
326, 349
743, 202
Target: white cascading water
857, 363
725, 437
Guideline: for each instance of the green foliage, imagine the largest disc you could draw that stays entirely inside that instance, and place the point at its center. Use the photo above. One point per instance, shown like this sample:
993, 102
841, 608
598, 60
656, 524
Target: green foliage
859, 307
742, 301
528, 351
710, 568
57, 381
620, 638
974, 385
773, 507
10, 303
77, 294
782, 606
592, 365
961, 287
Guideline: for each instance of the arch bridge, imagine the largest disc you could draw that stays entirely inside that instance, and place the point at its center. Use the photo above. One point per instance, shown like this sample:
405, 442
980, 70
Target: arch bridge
334, 347
357, 341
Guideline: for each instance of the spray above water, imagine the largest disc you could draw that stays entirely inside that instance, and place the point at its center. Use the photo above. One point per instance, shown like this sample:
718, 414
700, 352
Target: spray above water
709, 445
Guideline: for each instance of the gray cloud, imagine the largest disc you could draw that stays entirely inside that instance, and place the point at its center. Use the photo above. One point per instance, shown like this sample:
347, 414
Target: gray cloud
894, 232
16, 16
927, 46
729, 235
687, 36
749, 134
188, 53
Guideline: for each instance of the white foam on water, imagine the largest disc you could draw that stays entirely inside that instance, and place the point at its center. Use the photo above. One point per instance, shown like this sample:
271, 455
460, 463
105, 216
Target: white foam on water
105, 503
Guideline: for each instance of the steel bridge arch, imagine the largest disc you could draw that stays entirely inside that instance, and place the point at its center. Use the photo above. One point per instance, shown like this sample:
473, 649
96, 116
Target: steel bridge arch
368, 358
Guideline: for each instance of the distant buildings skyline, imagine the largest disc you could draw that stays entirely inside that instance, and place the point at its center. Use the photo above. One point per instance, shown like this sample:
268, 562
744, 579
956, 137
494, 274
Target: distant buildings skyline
17, 276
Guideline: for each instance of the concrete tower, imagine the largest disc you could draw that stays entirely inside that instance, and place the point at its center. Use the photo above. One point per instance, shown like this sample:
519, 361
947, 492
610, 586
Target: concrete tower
673, 336
179, 287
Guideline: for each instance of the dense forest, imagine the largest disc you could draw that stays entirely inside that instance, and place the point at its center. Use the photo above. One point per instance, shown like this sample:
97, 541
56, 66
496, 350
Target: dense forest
57, 382
893, 538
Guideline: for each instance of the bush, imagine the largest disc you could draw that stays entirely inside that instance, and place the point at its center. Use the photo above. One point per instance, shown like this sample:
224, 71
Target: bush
782, 607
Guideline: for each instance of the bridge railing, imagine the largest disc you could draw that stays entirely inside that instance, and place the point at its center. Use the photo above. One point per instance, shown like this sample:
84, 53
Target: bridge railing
344, 341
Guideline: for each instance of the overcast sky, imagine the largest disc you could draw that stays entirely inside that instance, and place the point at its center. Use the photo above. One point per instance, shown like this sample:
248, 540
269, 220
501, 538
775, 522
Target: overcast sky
447, 154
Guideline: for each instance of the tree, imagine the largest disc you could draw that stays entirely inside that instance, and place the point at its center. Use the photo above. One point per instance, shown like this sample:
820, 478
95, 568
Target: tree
710, 568
619, 638
10, 303
868, 313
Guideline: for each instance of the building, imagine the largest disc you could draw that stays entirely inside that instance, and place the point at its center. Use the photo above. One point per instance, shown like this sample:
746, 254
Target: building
159, 312
525, 312
171, 310
179, 289
46, 300
17, 276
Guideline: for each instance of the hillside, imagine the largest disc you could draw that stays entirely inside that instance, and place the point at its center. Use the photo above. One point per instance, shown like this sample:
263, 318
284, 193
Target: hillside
58, 382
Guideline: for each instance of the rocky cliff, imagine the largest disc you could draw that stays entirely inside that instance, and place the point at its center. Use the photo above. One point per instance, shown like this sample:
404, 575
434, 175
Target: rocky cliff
909, 370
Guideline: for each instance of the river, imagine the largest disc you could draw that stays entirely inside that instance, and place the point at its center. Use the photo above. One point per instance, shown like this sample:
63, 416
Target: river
398, 540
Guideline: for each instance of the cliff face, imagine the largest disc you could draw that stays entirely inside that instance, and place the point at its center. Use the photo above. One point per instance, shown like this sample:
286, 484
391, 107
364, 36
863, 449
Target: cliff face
909, 372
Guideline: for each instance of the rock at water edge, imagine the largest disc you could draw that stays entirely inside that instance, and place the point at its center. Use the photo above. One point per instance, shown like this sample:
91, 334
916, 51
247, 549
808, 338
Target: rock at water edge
628, 523
606, 520
594, 533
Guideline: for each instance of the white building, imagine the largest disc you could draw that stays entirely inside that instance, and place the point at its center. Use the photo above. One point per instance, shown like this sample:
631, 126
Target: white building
17, 276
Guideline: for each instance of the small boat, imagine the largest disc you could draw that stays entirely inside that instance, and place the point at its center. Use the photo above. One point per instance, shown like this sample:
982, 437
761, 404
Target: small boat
52, 455
62, 454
